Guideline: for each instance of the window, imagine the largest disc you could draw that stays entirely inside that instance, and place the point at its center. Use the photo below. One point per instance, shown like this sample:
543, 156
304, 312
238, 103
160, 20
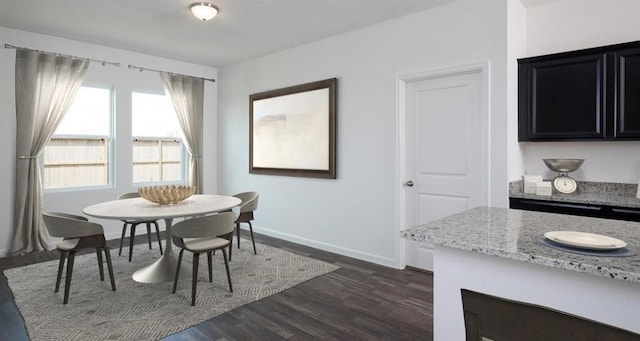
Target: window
158, 152
79, 151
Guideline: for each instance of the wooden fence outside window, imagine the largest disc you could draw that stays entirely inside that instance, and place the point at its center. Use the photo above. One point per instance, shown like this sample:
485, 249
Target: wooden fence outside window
84, 162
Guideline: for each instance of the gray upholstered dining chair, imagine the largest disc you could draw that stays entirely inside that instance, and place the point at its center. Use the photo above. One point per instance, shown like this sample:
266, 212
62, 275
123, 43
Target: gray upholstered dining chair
248, 205
77, 233
203, 234
133, 224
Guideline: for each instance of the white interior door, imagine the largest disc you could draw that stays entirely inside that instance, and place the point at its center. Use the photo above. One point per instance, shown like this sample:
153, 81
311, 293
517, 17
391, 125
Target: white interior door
446, 152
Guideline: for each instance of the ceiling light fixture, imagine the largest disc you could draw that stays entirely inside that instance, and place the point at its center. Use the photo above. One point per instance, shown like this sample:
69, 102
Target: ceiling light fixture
203, 10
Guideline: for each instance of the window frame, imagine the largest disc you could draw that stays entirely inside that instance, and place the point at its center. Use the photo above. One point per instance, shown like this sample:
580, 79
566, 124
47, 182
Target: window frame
183, 150
111, 151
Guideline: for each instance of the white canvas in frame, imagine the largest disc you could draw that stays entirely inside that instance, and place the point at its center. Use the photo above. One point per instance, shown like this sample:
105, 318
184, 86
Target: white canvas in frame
293, 131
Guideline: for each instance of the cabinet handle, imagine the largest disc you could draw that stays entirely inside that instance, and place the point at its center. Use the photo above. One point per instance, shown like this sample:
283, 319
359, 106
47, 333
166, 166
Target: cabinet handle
557, 204
622, 210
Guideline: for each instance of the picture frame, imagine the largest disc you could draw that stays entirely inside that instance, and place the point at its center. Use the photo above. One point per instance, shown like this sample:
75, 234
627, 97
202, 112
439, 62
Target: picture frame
292, 130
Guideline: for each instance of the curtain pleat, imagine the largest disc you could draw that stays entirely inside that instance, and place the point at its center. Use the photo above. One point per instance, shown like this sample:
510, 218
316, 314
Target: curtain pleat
187, 95
45, 88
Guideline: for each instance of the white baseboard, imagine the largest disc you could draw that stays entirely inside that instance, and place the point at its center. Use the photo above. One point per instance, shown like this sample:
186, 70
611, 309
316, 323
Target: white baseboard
390, 262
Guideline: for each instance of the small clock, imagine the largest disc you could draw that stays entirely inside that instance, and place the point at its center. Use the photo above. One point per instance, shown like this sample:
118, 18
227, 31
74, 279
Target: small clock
565, 184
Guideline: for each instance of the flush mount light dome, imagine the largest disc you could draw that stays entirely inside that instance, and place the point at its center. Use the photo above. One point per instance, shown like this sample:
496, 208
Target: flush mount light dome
203, 10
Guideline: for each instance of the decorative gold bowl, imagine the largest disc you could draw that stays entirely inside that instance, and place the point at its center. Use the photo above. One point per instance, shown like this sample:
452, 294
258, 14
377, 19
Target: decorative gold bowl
166, 195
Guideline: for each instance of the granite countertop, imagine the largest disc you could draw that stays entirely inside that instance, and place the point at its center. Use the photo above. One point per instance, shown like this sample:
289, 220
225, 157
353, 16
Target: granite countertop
512, 234
595, 193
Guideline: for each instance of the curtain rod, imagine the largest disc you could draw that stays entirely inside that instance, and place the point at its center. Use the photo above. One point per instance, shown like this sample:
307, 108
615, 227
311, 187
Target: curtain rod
140, 68
8, 46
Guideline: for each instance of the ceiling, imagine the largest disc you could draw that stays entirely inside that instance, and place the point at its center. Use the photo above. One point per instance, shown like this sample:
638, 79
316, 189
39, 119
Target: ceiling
243, 29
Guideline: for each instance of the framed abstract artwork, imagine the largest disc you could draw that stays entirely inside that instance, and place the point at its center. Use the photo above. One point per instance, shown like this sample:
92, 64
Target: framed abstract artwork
292, 131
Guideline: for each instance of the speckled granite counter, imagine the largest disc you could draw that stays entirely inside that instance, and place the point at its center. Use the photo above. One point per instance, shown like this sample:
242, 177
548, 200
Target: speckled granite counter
596, 193
512, 234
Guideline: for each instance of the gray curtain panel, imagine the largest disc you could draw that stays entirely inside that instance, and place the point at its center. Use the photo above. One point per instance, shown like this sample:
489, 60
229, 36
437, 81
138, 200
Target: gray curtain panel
187, 95
45, 88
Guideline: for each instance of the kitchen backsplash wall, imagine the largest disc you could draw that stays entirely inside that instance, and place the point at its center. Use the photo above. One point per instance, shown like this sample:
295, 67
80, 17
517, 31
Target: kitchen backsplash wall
604, 161
591, 187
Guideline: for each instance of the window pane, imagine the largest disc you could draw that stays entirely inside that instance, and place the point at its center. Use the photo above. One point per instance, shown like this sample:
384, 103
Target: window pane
143, 172
78, 153
153, 116
158, 152
171, 171
146, 151
171, 151
75, 163
89, 114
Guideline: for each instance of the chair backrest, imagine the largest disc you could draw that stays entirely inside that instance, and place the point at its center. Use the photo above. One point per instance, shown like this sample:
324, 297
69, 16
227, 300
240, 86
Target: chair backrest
249, 201
66, 225
128, 195
205, 226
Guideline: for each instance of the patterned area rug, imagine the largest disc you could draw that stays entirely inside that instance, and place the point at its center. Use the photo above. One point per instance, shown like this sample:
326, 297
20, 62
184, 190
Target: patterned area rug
137, 311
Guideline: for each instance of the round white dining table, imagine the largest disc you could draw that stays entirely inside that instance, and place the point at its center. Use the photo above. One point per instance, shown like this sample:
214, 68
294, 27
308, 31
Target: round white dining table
163, 269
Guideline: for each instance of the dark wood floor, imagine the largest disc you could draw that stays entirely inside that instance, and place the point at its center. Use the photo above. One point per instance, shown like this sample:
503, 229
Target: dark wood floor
359, 301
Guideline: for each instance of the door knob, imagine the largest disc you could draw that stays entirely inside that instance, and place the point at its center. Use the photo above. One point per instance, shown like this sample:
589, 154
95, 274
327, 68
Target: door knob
409, 183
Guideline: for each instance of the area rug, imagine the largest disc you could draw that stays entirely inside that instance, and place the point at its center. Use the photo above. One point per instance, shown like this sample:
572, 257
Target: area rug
137, 311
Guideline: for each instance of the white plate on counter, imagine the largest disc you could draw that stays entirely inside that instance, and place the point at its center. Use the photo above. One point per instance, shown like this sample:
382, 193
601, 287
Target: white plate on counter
585, 240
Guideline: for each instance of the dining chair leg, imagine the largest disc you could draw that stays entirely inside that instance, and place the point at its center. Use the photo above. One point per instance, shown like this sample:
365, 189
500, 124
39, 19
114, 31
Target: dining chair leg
158, 235
110, 267
210, 263
194, 280
252, 240
175, 280
67, 281
124, 230
100, 265
149, 234
63, 256
230, 245
131, 236
226, 265
238, 234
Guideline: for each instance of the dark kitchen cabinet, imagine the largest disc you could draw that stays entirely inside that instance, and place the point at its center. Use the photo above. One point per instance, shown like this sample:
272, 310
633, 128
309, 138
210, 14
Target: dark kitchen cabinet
588, 210
580, 95
627, 71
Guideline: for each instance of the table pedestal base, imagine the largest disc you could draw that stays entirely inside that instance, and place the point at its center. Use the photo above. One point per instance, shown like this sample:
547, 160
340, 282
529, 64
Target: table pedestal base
163, 270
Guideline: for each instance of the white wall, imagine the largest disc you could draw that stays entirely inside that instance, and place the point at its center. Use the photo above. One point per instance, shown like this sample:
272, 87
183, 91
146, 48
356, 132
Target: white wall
516, 47
356, 214
124, 81
566, 25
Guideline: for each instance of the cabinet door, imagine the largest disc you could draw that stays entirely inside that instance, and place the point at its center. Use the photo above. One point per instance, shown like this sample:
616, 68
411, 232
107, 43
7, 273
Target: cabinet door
623, 213
586, 210
562, 98
627, 93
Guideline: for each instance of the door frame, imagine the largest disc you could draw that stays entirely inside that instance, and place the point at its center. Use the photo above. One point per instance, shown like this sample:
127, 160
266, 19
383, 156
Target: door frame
401, 155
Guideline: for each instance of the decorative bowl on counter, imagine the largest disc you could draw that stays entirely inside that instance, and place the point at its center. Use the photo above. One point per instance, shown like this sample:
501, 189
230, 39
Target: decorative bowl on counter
166, 195
563, 165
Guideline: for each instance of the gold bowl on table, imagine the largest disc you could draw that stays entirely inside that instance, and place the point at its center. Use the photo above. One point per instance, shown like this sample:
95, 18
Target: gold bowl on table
166, 195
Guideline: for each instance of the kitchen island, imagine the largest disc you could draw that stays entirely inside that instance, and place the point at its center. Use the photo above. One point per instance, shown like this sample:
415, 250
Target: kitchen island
495, 251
